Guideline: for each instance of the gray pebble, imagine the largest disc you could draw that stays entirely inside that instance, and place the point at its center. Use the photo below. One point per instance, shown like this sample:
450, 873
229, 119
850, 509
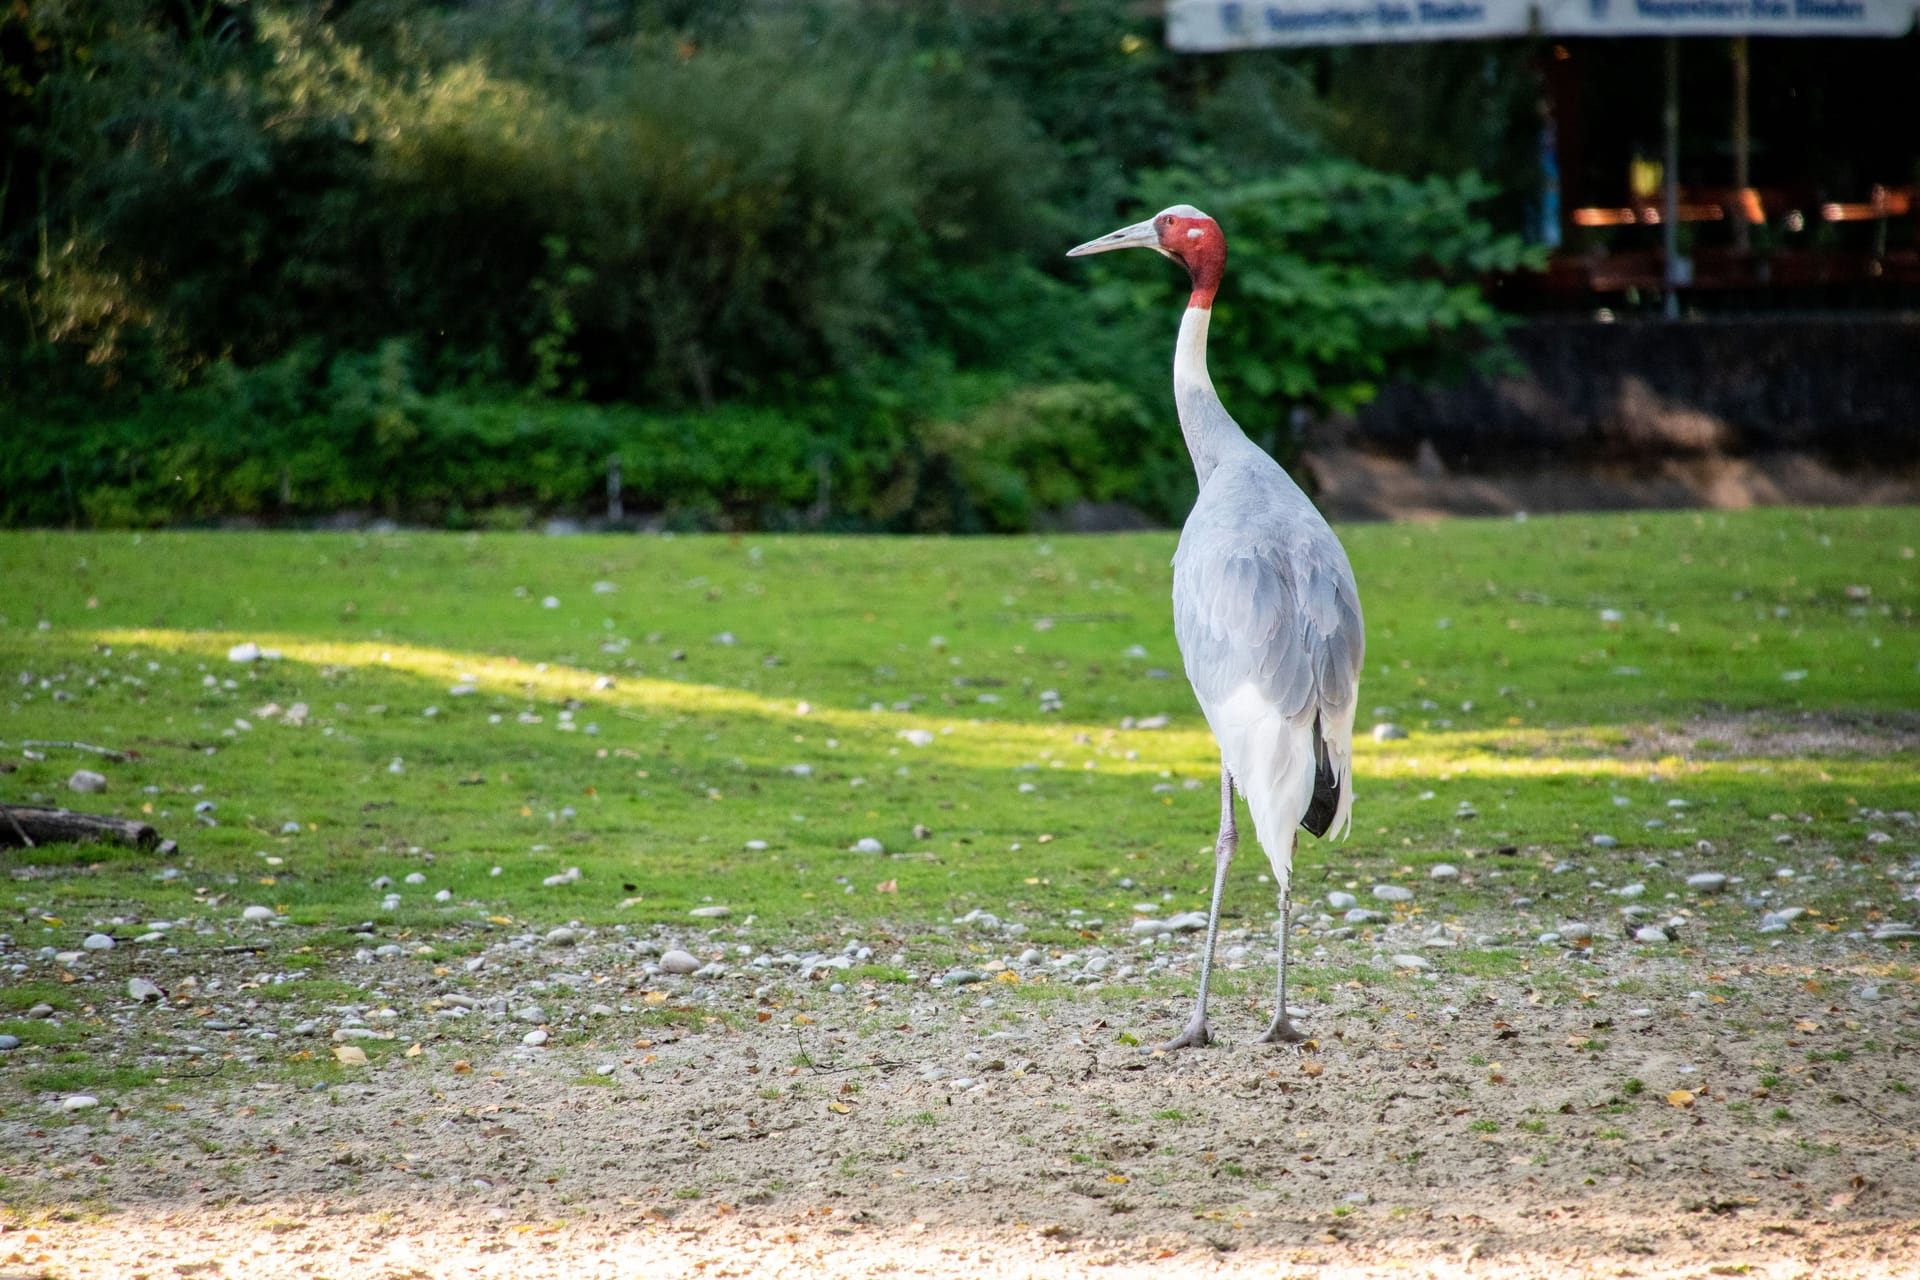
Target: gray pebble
40, 1011
1602, 841
1388, 733
80, 1102
534, 1039
562, 937
964, 977
9, 1043
1894, 933
1412, 962
599, 1011
1443, 871
1392, 893
1341, 900
1650, 933
1707, 881
680, 962
87, 780
1360, 915
98, 942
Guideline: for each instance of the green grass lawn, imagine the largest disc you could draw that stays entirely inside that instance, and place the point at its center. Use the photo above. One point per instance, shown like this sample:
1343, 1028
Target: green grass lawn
641, 708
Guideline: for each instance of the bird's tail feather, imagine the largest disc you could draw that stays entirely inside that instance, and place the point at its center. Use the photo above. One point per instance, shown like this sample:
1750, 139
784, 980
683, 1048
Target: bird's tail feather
1332, 806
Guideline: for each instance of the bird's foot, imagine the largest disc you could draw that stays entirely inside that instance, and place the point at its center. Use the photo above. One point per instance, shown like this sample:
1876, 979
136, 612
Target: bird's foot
1195, 1036
1282, 1031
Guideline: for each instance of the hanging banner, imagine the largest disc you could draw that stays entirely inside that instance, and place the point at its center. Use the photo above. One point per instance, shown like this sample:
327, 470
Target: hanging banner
1213, 26
1727, 17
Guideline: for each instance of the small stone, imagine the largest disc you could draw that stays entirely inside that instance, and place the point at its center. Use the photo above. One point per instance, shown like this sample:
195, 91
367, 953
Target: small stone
867, 844
257, 914
1388, 733
1707, 881
1443, 871
599, 1011
562, 937
1633, 890
1147, 928
87, 780
1412, 962
143, 990
680, 962
1602, 841
98, 942
1577, 933
534, 1039
1187, 921
9, 1043
80, 1102
964, 977
245, 651
1360, 915
1894, 933
1341, 900
1650, 933
1392, 893
710, 913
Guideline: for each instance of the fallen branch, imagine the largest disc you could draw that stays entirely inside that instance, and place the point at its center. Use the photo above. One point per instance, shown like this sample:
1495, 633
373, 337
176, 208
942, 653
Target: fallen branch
35, 826
108, 752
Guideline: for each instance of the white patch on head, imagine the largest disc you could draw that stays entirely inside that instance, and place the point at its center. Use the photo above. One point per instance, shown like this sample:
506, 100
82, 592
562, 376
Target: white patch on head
1194, 233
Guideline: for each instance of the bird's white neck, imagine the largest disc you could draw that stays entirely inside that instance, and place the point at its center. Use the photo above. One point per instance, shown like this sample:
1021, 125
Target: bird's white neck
1209, 430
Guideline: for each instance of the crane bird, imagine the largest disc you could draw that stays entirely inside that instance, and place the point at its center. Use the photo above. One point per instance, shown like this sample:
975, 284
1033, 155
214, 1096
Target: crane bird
1265, 610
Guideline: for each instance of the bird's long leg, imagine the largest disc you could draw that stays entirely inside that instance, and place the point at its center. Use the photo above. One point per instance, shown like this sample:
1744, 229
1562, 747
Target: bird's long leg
1281, 1030
1196, 1032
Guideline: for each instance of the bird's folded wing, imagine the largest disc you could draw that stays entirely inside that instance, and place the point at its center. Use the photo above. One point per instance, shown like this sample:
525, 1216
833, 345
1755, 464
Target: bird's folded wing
1283, 616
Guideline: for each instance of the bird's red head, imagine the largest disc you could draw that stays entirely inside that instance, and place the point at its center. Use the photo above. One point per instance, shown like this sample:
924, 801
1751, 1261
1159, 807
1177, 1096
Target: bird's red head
1182, 233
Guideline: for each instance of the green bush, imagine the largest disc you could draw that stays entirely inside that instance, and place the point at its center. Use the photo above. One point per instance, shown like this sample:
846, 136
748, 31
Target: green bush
1339, 279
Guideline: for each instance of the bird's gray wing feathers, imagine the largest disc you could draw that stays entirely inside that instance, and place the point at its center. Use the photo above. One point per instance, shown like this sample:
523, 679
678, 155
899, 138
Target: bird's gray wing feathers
1280, 614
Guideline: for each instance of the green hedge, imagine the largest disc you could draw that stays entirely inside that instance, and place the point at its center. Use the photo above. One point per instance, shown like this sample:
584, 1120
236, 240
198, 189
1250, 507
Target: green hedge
967, 453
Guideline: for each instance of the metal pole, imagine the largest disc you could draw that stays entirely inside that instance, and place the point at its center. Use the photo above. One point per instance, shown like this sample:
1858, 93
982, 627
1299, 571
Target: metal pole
1742, 144
1670, 181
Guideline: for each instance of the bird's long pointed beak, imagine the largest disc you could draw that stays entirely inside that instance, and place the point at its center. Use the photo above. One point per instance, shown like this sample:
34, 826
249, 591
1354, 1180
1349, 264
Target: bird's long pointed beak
1141, 235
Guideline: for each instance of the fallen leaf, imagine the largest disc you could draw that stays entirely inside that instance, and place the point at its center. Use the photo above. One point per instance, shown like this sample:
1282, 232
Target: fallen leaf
414, 1050
887, 886
462, 1067
350, 1055
1680, 1098
839, 1108
1312, 1069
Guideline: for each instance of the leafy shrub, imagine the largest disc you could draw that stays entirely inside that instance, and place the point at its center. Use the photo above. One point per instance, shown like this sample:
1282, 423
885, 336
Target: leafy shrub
1339, 279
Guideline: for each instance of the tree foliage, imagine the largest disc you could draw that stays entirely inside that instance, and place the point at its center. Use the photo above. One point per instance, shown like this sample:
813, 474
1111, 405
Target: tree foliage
378, 229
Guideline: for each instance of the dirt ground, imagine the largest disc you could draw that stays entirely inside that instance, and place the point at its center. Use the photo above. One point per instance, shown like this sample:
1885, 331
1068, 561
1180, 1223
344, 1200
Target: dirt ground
1352, 484
1725, 1110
